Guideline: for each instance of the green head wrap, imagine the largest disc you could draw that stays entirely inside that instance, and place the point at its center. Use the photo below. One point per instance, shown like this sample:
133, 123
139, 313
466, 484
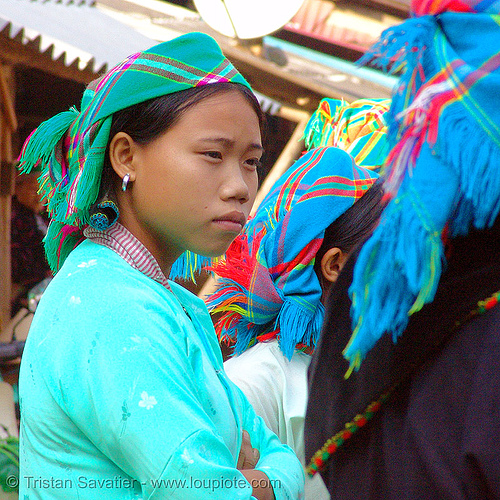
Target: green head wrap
70, 147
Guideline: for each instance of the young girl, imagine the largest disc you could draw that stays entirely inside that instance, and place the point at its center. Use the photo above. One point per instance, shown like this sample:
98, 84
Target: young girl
123, 394
274, 279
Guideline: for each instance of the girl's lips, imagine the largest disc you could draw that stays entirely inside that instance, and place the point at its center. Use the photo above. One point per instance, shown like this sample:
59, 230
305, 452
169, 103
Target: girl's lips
233, 221
228, 225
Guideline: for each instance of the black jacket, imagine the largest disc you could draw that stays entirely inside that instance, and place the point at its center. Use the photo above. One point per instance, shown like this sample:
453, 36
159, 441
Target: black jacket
438, 436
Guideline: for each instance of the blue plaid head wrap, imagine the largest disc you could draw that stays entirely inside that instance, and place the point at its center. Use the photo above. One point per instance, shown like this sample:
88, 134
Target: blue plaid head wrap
268, 287
442, 169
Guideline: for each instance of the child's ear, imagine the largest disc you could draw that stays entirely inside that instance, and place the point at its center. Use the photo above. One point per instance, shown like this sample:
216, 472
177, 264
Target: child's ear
121, 155
332, 263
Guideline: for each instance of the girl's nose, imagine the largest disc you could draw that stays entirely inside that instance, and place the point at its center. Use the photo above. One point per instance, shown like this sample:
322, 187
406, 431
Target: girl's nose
235, 185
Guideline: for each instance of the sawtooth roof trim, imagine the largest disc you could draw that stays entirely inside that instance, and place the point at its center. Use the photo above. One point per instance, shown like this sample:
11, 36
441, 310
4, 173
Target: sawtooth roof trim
74, 33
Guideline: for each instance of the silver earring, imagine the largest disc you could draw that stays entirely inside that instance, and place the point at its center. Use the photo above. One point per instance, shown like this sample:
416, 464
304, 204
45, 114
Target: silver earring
125, 180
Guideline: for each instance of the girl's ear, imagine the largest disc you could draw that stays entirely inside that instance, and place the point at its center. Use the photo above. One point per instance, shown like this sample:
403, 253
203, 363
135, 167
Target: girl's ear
332, 263
121, 155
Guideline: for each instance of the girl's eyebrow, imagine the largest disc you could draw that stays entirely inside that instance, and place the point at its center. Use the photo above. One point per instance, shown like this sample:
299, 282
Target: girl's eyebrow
228, 143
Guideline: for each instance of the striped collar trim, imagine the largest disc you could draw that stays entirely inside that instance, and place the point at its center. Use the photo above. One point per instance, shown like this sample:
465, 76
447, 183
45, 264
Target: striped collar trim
126, 245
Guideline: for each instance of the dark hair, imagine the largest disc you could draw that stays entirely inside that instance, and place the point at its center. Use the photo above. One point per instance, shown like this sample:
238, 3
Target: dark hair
147, 120
354, 225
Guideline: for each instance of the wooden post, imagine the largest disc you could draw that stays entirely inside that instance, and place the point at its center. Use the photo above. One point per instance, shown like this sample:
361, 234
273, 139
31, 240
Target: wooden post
8, 124
290, 153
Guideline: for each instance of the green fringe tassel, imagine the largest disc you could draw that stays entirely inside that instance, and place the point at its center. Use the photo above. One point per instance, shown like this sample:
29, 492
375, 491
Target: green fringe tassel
90, 181
59, 241
40, 145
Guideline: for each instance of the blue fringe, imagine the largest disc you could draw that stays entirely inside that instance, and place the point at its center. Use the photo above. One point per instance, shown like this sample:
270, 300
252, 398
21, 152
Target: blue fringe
397, 270
394, 48
188, 265
245, 334
298, 326
477, 167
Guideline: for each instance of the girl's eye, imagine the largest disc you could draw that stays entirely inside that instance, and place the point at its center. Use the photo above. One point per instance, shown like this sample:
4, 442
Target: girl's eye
253, 163
216, 155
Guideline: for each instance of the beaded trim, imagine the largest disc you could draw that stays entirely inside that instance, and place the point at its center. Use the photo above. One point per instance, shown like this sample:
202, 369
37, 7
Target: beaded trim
321, 457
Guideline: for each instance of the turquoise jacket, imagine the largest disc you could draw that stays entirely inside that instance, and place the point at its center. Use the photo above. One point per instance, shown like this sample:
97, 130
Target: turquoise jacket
123, 394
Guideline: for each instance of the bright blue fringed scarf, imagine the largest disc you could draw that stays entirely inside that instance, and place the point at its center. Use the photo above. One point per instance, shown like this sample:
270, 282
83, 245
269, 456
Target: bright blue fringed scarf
443, 168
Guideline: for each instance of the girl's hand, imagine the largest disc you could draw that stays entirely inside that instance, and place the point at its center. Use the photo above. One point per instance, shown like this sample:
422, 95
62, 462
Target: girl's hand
247, 460
248, 456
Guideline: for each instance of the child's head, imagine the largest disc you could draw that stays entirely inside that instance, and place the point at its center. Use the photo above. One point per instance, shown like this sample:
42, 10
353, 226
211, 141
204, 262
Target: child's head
192, 169
269, 286
345, 233
166, 82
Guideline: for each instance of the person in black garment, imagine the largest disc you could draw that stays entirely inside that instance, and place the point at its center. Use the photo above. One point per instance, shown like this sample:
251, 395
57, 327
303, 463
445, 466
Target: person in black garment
404, 386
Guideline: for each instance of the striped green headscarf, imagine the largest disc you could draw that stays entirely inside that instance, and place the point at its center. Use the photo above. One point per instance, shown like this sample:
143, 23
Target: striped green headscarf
358, 128
70, 147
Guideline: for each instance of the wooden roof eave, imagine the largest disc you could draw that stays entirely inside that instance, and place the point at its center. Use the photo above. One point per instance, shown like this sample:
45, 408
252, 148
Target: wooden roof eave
15, 53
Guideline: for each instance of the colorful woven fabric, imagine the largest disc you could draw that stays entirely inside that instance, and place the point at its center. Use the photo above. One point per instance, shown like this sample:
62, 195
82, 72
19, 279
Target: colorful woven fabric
442, 170
434, 7
358, 128
268, 287
70, 147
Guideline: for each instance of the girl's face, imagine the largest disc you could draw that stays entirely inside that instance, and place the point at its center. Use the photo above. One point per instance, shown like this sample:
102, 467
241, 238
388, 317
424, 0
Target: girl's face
193, 187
